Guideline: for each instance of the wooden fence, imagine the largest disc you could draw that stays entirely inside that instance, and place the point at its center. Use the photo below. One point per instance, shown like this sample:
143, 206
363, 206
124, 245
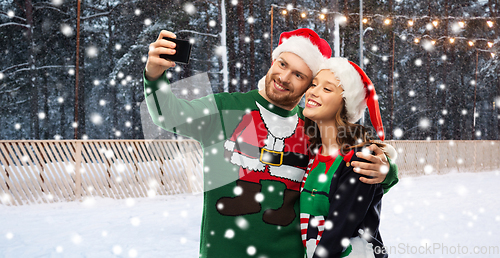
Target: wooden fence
52, 171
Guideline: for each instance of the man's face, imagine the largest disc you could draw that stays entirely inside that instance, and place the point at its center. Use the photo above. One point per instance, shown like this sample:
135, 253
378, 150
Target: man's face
287, 80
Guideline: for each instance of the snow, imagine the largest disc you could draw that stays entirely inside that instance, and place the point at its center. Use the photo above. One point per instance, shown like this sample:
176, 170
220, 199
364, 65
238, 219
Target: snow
426, 216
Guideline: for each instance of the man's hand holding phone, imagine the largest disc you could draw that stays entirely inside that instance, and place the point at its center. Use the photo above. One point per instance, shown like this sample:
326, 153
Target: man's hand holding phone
164, 52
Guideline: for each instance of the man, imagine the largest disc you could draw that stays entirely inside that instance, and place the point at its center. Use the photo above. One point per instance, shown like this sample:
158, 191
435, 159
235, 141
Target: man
255, 139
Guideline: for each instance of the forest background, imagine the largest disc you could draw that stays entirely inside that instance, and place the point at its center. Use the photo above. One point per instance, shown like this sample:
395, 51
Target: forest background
434, 63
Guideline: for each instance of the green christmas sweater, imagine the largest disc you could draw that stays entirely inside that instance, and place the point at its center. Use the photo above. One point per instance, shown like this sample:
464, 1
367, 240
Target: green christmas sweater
255, 157
335, 207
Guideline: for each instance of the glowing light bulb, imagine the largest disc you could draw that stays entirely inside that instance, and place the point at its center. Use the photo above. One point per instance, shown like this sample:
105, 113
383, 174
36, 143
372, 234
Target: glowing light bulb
490, 44
471, 43
452, 40
322, 16
303, 15
387, 21
492, 54
410, 22
461, 24
417, 40
365, 20
343, 19
435, 23
284, 12
490, 24
433, 42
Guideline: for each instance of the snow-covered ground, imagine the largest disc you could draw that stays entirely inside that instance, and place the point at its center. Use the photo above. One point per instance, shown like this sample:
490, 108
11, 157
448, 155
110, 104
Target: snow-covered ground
427, 216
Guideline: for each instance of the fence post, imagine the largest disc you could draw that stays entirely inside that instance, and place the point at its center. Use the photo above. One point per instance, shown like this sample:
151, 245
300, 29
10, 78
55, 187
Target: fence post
78, 175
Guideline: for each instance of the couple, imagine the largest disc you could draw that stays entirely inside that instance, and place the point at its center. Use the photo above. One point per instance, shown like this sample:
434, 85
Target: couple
261, 155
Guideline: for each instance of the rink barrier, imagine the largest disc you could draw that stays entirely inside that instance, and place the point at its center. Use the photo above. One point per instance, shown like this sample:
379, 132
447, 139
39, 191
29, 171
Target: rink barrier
69, 170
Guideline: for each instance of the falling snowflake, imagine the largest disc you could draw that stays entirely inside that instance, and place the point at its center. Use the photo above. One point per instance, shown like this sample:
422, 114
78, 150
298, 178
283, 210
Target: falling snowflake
147, 22
76, 239
229, 234
418, 62
242, 223
137, 12
251, 250
189, 8
66, 30
2, 76
41, 115
424, 123
117, 250
92, 51
398, 133
212, 23
132, 253
398, 209
428, 169
135, 221
96, 119
259, 197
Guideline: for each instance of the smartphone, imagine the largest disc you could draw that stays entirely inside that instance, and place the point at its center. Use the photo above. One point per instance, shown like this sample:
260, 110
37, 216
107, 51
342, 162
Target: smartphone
182, 51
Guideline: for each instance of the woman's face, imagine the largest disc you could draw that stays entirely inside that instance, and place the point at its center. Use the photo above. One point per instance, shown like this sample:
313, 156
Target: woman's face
324, 97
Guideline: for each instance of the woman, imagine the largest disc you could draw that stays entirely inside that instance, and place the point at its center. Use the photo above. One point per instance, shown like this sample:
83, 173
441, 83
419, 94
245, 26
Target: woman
340, 214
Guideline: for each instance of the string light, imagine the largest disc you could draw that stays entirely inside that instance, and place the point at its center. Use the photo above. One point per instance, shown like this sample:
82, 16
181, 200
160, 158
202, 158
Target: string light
460, 22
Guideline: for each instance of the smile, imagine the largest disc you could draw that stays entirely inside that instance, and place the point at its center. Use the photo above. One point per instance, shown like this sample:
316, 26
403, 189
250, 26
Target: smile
312, 103
279, 87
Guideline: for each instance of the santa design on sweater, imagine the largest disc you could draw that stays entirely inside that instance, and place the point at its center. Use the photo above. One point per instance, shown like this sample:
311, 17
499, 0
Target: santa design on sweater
281, 155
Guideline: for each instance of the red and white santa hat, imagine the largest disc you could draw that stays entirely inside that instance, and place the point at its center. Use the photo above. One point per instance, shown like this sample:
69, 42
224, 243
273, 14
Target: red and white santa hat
358, 93
306, 44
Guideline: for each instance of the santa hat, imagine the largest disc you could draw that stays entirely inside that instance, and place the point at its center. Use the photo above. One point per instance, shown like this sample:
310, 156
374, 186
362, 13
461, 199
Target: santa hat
306, 44
358, 93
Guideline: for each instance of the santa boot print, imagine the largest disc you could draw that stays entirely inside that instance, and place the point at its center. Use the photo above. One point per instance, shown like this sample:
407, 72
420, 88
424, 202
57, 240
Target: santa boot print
245, 203
285, 214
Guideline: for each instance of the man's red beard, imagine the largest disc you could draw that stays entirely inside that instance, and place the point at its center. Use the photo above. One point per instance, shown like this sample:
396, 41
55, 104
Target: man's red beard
284, 99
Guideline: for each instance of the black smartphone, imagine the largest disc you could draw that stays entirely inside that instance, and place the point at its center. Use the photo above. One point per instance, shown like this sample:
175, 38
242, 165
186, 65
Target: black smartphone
182, 51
